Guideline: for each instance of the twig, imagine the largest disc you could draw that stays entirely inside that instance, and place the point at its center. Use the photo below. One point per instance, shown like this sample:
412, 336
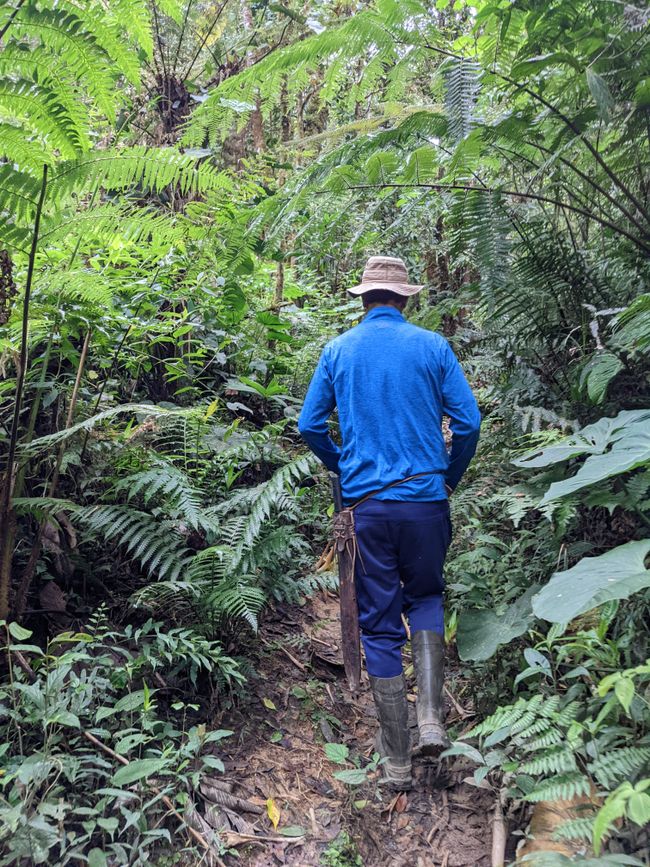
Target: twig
460, 710
284, 650
516, 193
24, 665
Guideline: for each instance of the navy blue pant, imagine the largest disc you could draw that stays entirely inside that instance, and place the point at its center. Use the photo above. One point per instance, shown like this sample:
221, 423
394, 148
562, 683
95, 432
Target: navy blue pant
402, 549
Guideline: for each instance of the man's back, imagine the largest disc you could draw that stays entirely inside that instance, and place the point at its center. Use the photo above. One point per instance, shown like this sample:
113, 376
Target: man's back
391, 382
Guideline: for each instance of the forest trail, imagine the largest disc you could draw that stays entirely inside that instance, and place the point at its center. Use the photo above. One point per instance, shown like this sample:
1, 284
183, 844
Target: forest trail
298, 703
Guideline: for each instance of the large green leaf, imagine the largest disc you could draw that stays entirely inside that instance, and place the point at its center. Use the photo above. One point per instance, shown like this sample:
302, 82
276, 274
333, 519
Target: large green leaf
592, 439
615, 575
482, 630
613, 445
138, 770
627, 453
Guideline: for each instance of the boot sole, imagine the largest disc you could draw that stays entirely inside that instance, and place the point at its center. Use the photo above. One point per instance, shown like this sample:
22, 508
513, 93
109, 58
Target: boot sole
432, 750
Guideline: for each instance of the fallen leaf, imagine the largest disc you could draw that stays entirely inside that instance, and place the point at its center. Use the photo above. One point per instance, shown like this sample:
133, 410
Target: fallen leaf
401, 803
273, 812
292, 831
268, 704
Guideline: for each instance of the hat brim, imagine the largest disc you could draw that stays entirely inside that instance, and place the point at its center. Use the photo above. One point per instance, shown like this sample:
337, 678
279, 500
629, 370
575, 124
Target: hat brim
398, 288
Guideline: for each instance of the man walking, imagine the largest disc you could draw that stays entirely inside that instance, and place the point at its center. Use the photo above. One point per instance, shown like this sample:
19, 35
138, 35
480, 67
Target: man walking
391, 383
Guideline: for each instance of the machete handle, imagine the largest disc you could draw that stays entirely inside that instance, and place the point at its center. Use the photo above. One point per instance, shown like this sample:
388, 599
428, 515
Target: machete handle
337, 494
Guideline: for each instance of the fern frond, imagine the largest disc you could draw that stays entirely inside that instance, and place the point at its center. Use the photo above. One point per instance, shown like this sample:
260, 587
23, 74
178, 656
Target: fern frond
461, 95
34, 63
18, 192
556, 760
103, 224
575, 829
151, 542
39, 110
65, 35
619, 764
171, 488
547, 739
112, 33
92, 287
235, 599
564, 787
503, 717
150, 169
269, 496
18, 148
44, 443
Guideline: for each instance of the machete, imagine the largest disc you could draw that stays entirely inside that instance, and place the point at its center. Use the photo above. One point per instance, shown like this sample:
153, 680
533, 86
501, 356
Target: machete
345, 542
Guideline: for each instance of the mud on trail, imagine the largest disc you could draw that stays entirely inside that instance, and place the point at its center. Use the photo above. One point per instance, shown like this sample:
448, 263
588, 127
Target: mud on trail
297, 704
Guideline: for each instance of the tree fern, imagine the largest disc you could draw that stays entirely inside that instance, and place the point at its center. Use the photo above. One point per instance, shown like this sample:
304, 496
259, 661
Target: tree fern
369, 34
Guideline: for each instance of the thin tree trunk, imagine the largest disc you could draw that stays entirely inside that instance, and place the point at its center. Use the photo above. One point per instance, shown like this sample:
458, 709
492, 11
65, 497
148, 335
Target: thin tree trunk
30, 568
7, 517
256, 122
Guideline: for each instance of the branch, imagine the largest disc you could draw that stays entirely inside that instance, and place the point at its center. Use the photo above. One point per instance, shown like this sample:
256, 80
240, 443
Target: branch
205, 39
516, 193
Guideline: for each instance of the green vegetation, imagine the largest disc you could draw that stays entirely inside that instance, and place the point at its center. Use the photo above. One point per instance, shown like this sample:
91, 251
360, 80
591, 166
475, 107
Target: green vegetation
186, 189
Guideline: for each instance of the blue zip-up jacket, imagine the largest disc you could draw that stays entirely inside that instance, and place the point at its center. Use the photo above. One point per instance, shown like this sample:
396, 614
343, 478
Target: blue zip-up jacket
391, 382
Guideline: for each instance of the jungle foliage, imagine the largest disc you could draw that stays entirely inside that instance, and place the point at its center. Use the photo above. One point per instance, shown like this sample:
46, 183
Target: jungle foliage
186, 189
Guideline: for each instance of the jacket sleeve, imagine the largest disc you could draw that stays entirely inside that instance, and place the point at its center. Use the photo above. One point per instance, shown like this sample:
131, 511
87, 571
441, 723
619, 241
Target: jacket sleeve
460, 405
317, 408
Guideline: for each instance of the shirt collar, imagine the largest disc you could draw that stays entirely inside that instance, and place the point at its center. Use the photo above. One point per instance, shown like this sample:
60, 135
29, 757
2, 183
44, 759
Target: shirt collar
382, 312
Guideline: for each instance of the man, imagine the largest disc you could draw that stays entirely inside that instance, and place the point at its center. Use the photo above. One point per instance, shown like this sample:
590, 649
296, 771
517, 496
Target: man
391, 383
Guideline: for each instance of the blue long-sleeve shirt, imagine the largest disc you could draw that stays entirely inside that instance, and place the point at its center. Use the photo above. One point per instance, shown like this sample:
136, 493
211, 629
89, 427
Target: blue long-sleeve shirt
391, 382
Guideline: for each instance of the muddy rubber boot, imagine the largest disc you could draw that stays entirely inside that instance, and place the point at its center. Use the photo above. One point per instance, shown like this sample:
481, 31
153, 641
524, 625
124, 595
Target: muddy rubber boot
428, 661
393, 740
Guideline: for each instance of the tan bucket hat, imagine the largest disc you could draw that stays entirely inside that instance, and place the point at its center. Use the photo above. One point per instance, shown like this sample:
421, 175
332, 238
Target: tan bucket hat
385, 272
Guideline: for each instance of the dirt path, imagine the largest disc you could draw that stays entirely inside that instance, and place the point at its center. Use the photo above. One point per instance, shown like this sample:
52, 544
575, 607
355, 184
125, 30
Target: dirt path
296, 705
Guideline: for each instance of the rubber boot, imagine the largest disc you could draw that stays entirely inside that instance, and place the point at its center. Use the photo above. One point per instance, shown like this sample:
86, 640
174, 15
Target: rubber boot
393, 740
428, 660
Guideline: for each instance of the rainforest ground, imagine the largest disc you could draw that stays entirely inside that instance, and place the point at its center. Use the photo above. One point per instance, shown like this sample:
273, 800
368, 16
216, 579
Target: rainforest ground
187, 190
279, 753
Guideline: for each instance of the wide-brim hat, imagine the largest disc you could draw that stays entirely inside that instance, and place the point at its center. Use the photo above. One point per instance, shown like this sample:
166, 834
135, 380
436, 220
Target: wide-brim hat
385, 272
